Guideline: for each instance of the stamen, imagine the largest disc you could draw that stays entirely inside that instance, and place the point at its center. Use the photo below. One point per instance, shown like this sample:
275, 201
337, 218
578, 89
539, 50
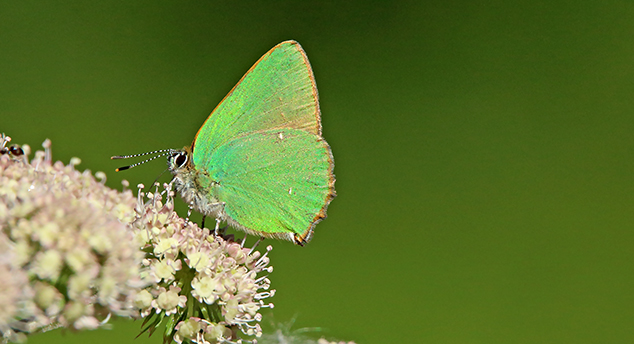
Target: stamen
248, 329
156, 195
47, 149
264, 295
256, 245
265, 286
257, 281
101, 176
264, 260
140, 195
263, 305
105, 321
5, 139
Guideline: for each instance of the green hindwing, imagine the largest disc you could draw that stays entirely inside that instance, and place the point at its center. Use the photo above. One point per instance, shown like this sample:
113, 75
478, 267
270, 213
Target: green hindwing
274, 181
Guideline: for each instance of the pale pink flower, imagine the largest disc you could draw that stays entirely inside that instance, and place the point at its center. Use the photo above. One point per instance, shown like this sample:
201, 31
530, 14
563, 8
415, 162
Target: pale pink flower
68, 234
223, 283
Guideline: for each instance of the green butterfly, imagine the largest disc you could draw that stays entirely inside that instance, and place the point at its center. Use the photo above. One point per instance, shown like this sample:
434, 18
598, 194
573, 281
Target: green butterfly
259, 161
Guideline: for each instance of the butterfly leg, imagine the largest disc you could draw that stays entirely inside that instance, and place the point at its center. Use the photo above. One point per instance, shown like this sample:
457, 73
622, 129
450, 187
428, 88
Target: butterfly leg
222, 231
202, 224
189, 210
217, 227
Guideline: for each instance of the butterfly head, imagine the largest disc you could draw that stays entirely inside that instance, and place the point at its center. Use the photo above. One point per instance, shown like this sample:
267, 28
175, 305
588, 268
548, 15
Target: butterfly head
180, 164
189, 182
178, 160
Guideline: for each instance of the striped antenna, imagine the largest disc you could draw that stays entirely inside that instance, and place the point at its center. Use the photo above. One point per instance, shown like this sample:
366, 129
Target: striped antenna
160, 152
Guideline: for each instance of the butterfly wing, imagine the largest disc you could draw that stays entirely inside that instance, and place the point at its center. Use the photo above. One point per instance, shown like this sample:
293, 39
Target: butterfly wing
275, 183
263, 146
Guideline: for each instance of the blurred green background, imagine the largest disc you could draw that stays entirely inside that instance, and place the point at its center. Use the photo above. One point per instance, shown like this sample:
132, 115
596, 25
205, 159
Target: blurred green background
483, 151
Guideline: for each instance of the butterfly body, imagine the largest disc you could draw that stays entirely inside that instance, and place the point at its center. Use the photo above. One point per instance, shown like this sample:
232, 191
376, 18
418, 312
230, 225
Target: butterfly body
195, 186
259, 161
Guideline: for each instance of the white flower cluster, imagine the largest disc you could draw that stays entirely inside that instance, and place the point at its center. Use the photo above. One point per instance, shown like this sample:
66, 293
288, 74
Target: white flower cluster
67, 257
13, 291
73, 252
210, 285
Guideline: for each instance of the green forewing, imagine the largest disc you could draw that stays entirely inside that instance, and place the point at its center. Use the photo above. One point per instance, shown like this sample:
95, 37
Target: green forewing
277, 92
263, 146
274, 180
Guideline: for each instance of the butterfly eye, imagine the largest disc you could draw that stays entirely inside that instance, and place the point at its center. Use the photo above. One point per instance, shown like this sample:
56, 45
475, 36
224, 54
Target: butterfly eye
181, 159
